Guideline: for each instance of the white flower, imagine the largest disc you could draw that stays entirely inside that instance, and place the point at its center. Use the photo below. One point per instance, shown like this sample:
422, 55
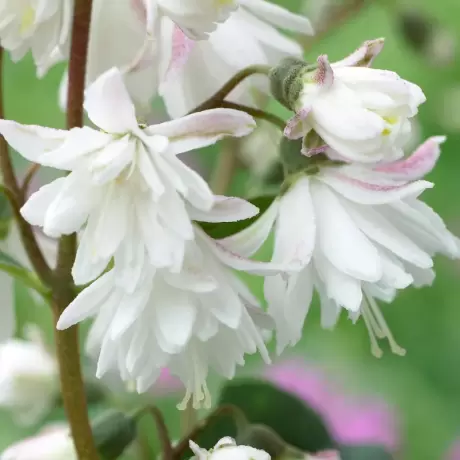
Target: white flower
248, 37
29, 379
51, 444
203, 316
41, 26
127, 190
226, 449
197, 18
360, 232
360, 112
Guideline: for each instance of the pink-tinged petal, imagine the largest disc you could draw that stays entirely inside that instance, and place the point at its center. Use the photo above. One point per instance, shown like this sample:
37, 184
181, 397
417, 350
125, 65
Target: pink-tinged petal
310, 152
420, 163
225, 209
364, 55
297, 126
109, 105
324, 74
370, 188
203, 128
182, 47
140, 9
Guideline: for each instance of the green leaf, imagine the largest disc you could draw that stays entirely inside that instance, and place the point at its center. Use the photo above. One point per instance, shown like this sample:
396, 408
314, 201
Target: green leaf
113, 432
224, 229
262, 403
11, 266
367, 452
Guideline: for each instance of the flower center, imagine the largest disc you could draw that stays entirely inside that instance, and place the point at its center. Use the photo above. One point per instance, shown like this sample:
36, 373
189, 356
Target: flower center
391, 122
27, 19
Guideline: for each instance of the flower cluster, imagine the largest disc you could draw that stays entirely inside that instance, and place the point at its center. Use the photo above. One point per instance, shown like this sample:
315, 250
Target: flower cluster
162, 292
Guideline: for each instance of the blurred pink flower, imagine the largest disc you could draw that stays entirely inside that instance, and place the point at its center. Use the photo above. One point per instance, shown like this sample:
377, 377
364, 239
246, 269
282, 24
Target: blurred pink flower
454, 452
351, 420
167, 383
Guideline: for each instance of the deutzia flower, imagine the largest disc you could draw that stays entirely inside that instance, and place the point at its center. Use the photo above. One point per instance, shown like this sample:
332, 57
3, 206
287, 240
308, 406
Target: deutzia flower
203, 316
52, 443
360, 112
127, 188
41, 26
29, 379
360, 232
248, 37
227, 449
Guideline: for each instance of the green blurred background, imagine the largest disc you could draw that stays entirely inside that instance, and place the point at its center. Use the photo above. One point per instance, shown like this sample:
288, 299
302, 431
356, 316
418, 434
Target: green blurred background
424, 386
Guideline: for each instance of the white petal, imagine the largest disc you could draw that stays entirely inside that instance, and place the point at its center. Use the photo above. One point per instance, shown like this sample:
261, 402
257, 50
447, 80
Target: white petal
380, 230
31, 141
295, 229
364, 55
87, 303
225, 209
109, 105
36, 207
340, 239
342, 289
249, 241
203, 128
279, 16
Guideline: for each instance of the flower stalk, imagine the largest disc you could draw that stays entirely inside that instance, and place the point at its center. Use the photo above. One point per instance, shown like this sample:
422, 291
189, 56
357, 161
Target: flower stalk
67, 344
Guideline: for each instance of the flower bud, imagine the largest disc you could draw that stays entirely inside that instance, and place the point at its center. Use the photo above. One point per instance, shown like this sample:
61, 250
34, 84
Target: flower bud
286, 81
226, 449
113, 432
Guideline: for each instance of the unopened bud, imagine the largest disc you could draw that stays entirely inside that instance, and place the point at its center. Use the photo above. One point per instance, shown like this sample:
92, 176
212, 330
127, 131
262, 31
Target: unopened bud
113, 432
286, 80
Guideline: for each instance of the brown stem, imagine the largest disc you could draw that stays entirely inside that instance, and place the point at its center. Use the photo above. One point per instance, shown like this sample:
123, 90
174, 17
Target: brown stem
256, 113
28, 177
227, 164
218, 97
240, 419
67, 346
16, 198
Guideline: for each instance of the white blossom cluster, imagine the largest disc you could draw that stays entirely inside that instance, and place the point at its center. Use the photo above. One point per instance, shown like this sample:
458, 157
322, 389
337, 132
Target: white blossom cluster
162, 292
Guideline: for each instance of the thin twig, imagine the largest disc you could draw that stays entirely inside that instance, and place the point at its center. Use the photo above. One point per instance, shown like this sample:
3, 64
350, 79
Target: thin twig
28, 177
67, 346
256, 113
227, 164
228, 87
15, 196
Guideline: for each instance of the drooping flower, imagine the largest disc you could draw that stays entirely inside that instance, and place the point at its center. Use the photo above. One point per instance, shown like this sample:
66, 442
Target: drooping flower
42, 27
203, 316
52, 443
28, 379
248, 37
227, 448
351, 420
360, 232
360, 112
127, 190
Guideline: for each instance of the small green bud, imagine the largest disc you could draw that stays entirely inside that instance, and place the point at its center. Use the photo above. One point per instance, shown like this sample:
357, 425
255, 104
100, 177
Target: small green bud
286, 80
113, 432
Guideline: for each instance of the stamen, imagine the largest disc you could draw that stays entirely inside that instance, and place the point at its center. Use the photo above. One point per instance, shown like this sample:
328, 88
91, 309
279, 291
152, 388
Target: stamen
395, 348
375, 349
184, 403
